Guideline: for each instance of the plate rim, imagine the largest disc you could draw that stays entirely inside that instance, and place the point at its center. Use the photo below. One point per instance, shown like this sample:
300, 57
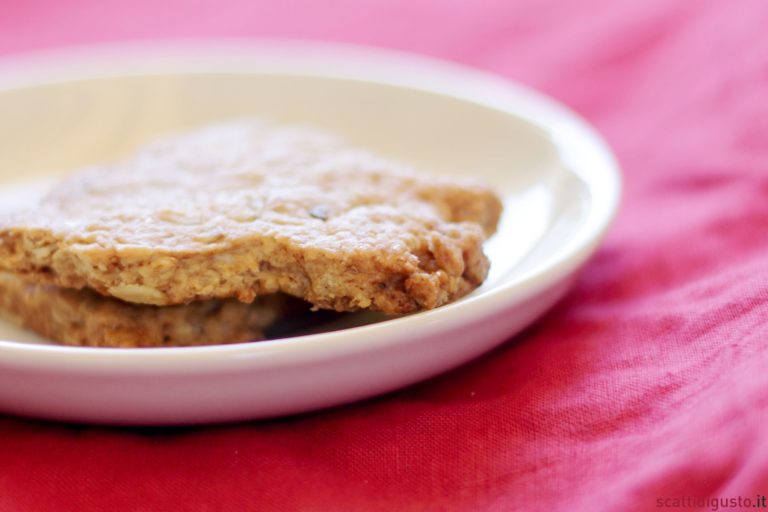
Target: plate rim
572, 134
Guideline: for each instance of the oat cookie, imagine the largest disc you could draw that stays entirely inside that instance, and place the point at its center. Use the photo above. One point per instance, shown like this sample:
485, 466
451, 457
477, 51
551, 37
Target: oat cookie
84, 318
244, 209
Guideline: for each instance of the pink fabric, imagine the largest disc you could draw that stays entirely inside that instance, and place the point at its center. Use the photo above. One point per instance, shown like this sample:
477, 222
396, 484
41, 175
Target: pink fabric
650, 381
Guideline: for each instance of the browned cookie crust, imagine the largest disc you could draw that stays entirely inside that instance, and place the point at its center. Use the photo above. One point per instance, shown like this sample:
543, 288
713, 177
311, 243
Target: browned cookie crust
85, 318
246, 209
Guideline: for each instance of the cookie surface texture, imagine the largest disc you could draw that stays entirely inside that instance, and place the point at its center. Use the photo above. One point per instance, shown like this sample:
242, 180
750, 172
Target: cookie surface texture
244, 209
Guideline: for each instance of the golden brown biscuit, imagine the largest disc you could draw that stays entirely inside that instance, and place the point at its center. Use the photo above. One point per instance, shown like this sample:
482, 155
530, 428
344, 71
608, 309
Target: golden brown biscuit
85, 318
246, 209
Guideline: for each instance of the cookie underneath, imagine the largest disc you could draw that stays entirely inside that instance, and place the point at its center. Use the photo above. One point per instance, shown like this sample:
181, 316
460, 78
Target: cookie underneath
84, 318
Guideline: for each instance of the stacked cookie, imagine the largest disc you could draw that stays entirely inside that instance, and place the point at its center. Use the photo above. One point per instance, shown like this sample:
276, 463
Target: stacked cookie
206, 227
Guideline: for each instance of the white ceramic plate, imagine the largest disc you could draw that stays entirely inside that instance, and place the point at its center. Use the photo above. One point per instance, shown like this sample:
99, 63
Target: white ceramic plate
63, 110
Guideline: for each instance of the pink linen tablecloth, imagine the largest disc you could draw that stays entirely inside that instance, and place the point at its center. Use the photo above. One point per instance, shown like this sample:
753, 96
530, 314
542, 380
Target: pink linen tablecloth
645, 389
